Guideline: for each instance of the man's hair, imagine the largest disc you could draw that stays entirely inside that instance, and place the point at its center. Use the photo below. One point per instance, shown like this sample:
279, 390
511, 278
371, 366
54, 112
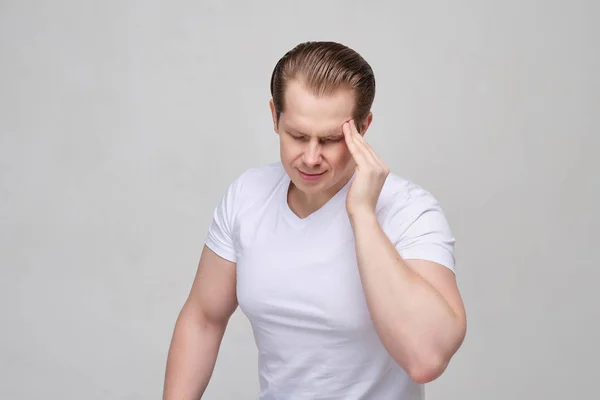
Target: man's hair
325, 67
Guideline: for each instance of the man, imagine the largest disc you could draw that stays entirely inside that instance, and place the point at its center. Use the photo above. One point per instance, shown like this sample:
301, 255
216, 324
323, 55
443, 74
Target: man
345, 271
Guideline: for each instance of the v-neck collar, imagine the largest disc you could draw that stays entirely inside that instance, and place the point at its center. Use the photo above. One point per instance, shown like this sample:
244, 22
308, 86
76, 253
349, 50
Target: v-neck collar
334, 201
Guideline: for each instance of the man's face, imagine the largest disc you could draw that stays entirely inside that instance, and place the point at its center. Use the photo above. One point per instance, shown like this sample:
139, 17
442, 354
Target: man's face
312, 146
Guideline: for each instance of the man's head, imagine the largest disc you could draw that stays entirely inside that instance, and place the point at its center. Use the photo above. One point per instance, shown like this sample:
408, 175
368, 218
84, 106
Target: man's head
317, 87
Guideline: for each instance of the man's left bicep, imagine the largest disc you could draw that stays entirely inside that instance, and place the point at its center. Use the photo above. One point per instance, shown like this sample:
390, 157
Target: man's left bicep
422, 237
443, 280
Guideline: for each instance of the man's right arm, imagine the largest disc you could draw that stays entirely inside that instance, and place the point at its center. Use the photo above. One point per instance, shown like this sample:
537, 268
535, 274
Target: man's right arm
200, 327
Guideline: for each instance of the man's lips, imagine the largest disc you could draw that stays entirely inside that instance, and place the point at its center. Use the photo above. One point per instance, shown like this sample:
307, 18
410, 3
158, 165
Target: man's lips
306, 173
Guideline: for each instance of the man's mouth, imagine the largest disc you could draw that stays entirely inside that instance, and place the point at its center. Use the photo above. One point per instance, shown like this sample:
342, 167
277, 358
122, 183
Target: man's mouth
310, 177
306, 173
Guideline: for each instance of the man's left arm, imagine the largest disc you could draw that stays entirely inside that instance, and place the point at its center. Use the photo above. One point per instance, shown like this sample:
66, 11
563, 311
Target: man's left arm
415, 304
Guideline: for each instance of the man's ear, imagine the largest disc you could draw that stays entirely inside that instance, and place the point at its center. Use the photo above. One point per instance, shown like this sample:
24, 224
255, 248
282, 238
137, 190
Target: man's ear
364, 126
274, 116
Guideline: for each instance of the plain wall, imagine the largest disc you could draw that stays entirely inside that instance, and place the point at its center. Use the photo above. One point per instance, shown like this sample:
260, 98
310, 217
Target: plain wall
123, 122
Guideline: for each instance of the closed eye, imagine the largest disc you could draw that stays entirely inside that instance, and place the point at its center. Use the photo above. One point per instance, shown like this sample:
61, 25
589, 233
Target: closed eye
324, 141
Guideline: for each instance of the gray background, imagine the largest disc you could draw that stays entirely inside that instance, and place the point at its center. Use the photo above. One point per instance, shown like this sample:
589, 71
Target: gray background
123, 122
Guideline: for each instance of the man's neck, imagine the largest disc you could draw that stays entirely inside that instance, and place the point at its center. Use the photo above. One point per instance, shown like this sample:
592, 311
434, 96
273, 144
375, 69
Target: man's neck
303, 205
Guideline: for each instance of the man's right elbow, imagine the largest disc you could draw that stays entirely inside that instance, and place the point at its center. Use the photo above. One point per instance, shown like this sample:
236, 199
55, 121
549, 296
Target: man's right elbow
195, 318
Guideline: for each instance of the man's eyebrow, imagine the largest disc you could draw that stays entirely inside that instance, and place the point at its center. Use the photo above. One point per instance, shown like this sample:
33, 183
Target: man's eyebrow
334, 134
330, 134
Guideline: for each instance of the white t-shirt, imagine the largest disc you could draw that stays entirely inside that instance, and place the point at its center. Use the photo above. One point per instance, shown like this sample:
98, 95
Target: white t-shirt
298, 284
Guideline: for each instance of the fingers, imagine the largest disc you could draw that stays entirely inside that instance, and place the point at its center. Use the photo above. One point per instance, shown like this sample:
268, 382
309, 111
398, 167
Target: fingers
359, 147
356, 150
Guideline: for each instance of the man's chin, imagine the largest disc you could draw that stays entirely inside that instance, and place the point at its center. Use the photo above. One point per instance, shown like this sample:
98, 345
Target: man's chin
308, 187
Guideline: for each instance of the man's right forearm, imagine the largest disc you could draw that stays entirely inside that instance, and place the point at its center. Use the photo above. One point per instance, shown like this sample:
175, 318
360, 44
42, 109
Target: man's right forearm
192, 356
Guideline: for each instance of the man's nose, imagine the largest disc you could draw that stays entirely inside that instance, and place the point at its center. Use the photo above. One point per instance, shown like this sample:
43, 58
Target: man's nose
312, 154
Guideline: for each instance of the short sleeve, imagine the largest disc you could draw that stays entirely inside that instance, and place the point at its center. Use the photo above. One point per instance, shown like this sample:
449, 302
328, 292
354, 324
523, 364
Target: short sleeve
220, 238
422, 230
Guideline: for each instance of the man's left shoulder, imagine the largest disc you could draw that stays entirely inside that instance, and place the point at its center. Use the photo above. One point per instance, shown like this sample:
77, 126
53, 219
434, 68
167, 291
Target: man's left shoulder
400, 193
415, 222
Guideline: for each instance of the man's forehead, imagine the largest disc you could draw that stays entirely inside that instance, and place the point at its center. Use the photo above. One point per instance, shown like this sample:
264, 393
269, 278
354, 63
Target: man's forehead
304, 110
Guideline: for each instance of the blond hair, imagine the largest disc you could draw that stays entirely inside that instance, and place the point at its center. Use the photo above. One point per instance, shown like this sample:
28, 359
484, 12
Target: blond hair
325, 67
